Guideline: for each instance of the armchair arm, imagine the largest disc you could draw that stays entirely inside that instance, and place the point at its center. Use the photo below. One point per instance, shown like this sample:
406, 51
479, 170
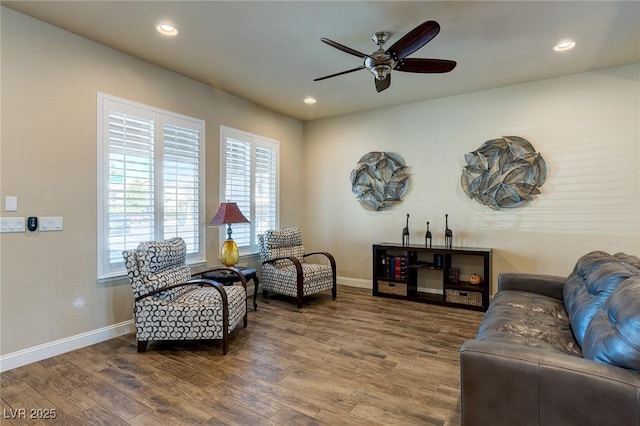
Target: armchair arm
328, 255
505, 384
332, 261
547, 285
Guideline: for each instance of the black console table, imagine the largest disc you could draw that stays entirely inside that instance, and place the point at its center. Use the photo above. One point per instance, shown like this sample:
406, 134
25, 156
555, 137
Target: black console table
398, 269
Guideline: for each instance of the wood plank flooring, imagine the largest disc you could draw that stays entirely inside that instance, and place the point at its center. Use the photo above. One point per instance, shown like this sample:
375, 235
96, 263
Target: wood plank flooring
358, 360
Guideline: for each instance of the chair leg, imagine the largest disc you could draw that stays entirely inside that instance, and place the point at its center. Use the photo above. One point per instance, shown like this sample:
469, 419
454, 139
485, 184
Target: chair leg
299, 284
142, 345
334, 290
225, 344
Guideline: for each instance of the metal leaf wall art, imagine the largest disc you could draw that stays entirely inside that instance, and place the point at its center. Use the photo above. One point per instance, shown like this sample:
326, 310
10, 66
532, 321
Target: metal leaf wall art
380, 180
504, 173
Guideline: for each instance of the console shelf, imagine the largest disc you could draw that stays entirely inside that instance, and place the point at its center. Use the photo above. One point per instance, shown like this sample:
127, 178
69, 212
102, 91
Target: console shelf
409, 273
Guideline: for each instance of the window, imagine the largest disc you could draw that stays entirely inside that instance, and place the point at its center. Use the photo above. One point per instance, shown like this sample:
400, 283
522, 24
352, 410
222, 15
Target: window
249, 177
150, 180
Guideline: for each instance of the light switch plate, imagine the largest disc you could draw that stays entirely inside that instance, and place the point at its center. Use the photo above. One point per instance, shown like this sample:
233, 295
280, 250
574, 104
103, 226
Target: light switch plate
12, 224
50, 223
10, 203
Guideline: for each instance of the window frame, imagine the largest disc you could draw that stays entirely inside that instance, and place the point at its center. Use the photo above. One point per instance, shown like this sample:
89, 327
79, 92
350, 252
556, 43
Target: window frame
105, 103
254, 140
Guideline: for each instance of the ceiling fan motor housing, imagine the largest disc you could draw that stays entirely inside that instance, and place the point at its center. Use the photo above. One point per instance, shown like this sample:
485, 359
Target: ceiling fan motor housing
380, 64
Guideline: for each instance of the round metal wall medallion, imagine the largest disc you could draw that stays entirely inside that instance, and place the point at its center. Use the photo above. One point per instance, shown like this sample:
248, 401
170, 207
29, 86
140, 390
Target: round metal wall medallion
380, 180
504, 173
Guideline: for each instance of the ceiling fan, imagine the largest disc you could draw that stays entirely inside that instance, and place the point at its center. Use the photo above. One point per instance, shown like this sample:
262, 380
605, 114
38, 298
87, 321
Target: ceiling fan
381, 62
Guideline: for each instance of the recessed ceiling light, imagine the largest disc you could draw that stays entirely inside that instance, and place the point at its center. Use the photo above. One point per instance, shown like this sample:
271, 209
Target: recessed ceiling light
167, 29
309, 100
564, 45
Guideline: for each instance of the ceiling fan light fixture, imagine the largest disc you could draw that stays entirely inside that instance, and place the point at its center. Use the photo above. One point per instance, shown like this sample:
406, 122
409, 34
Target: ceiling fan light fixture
564, 45
166, 29
309, 100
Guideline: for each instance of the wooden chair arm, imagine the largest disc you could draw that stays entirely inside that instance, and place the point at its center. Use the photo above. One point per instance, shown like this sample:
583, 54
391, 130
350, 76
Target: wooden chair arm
334, 275
328, 255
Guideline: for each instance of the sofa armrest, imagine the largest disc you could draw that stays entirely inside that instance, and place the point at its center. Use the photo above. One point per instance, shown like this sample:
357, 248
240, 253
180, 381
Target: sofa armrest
505, 384
547, 285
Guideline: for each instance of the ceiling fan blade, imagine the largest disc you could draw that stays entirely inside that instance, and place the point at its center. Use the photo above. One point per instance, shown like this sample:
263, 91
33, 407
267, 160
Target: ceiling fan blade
343, 48
383, 84
340, 73
414, 40
426, 65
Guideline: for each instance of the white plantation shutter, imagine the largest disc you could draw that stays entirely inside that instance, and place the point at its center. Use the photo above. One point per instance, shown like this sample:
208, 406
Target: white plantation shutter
266, 191
150, 182
181, 185
249, 177
238, 186
130, 207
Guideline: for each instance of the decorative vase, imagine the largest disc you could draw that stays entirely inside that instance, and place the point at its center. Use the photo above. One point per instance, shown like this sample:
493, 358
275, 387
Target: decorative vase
475, 279
229, 255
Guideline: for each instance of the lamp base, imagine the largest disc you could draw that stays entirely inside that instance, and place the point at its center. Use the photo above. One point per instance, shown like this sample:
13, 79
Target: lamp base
229, 255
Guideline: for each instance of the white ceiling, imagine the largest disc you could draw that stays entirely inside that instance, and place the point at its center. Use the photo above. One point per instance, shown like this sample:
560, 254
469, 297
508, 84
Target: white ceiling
269, 52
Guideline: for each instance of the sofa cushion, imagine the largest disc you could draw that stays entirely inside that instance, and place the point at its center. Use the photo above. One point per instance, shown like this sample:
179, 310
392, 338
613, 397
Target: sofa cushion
528, 319
593, 280
628, 258
613, 336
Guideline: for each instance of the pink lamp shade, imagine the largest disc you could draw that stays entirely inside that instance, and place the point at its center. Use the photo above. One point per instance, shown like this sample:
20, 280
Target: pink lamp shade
229, 213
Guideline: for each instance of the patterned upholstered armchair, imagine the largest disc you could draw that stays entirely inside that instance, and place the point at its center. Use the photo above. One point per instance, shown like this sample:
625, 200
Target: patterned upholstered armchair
169, 305
285, 270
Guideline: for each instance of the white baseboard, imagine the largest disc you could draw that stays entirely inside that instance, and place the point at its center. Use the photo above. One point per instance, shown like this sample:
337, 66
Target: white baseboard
355, 282
47, 350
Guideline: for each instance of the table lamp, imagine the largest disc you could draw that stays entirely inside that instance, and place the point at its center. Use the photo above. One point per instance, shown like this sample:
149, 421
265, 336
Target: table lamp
229, 213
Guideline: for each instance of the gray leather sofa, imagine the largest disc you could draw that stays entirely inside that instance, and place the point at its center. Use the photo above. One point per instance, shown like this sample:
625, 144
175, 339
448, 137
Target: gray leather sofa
558, 351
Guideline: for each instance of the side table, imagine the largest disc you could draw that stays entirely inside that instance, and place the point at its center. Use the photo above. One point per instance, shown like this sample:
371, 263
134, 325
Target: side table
228, 278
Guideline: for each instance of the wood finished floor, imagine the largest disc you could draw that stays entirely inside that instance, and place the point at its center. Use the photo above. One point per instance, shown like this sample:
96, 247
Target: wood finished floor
356, 360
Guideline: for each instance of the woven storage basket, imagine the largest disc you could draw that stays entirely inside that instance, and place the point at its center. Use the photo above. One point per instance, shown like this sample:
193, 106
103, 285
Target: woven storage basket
386, 287
473, 298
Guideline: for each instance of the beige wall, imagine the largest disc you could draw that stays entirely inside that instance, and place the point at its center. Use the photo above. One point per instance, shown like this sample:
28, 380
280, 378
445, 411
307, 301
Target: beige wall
586, 126
50, 78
